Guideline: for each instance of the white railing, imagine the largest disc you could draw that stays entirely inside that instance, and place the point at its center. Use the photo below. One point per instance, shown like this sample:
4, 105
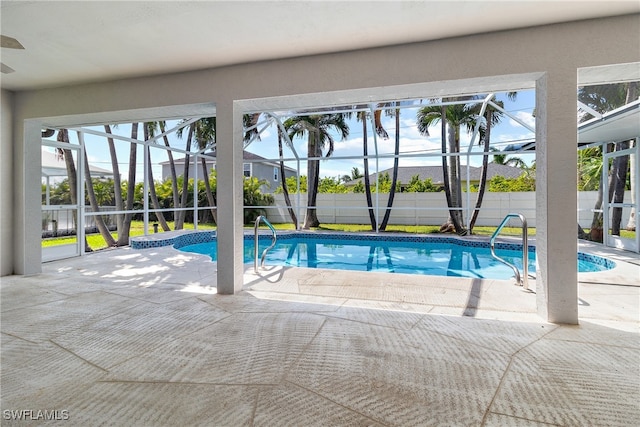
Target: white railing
524, 279
255, 242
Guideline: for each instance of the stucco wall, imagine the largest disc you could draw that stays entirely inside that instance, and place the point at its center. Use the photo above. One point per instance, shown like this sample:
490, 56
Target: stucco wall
445, 64
546, 58
6, 185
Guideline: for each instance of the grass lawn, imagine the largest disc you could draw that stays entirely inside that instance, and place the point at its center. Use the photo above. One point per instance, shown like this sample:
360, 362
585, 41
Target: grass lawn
137, 229
97, 242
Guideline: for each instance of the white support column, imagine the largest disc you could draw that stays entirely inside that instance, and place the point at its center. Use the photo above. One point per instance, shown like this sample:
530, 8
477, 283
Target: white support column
29, 220
230, 199
145, 187
556, 199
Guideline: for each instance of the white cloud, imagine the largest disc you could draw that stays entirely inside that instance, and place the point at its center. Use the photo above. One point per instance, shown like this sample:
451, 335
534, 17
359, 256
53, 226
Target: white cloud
266, 134
525, 117
411, 141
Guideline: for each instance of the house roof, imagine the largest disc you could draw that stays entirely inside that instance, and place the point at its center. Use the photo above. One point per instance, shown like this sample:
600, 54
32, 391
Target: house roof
246, 155
405, 173
618, 125
54, 165
621, 124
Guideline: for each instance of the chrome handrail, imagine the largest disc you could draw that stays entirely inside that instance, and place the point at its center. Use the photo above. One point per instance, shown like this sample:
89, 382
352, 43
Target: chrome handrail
524, 280
255, 242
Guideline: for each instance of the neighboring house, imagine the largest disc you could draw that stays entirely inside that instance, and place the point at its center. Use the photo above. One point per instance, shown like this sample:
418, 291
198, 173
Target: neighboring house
54, 166
435, 174
255, 166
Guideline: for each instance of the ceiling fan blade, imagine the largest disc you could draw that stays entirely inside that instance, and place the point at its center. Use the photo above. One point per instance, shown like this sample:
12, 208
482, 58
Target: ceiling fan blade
10, 42
5, 69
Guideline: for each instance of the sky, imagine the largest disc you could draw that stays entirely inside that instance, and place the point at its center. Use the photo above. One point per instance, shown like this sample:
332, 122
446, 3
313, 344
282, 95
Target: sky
411, 141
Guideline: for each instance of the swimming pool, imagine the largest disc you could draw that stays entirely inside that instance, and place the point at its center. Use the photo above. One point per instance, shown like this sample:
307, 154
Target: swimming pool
438, 256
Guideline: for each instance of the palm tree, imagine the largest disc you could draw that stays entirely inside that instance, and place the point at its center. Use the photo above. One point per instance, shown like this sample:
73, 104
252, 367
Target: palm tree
251, 131
179, 221
355, 174
148, 131
249, 122
622, 168
456, 116
93, 201
205, 134
633, 170
63, 136
283, 180
380, 131
362, 116
492, 117
123, 236
394, 180
603, 98
317, 128
504, 159
162, 125
117, 184
486, 139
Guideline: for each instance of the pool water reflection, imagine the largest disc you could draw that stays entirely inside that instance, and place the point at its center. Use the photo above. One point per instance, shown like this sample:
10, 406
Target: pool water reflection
427, 256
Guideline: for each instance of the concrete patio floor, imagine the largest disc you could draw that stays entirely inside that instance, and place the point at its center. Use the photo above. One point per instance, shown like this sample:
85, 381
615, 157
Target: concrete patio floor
140, 337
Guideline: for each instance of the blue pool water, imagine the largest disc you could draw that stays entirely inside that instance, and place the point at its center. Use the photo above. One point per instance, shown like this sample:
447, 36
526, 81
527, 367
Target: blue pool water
409, 255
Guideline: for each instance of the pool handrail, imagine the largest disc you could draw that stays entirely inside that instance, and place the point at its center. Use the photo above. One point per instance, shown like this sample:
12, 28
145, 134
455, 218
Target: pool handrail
524, 279
255, 241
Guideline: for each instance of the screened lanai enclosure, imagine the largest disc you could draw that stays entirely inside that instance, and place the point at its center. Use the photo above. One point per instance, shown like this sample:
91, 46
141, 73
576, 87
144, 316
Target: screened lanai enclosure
376, 165
132, 198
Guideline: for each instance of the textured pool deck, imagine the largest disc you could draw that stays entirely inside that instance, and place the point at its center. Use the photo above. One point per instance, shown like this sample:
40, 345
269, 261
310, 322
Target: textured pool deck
140, 337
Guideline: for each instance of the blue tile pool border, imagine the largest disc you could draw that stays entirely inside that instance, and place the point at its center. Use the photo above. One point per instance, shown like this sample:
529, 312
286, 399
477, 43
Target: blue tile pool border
177, 241
194, 237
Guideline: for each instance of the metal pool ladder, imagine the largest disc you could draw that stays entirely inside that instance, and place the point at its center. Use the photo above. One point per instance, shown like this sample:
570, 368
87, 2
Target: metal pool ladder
524, 279
255, 242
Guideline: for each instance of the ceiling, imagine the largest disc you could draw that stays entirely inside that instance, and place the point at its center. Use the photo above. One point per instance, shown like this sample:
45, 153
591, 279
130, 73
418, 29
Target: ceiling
75, 42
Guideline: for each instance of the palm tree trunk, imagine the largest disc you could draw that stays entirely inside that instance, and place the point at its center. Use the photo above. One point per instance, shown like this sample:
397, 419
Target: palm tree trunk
63, 136
483, 173
394, 179
152, 186
102, 227
207, 187
172, 168
179, 223
117, 184
633, 164
456, 183
283, 179
313, 174
621, 167
123, 237
445, 171
632, 94
367, 181
597, 221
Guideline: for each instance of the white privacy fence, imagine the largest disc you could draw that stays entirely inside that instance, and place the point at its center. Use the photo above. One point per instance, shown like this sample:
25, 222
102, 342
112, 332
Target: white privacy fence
426, 208
62, 222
